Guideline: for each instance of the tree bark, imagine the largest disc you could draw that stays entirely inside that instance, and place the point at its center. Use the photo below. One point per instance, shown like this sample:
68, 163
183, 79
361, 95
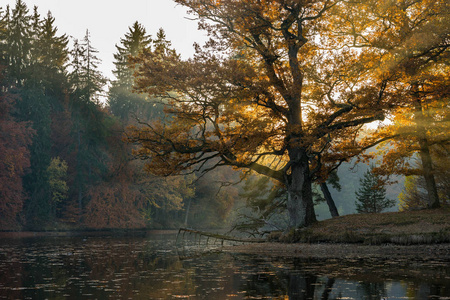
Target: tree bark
300, 203
428, 174
424, 152
331, 205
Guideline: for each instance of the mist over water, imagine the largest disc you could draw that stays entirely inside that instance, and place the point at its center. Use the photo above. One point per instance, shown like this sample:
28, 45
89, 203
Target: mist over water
151, 267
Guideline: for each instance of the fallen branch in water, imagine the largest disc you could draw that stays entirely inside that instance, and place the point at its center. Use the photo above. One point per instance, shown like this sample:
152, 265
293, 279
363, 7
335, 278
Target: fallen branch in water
220, 236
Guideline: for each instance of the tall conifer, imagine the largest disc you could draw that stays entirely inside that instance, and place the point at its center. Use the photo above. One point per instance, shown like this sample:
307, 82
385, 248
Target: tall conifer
89, 130
122, 101
19, 43
53, 55
4, 35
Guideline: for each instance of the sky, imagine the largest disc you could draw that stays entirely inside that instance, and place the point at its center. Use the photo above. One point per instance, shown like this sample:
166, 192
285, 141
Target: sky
108, 21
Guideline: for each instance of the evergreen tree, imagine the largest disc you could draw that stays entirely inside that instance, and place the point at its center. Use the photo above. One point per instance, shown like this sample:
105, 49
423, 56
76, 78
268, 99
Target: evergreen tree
35, 56
52, 55
4, 32
162, 46
43, 95
75, 75
89, 131
371, 196
32, 71
122, 101
18, 43
134, 42
94, 79
86, 79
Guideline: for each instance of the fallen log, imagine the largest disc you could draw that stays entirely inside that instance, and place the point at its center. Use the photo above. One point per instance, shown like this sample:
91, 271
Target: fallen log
219, 236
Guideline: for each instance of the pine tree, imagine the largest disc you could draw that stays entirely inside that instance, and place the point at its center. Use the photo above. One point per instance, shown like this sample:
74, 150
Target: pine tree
52, 55
89, 131
41, 84
162, 46
19, 43
86, 79
371, 196
75, 75
94, 79
5, 17
122, 101
134, 42
22, 34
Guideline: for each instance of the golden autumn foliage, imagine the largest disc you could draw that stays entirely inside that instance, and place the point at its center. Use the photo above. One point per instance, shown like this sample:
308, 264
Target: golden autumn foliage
415, 46
282, 88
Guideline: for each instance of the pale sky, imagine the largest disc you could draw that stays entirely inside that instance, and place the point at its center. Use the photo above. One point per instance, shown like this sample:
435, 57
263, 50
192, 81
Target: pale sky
108, 21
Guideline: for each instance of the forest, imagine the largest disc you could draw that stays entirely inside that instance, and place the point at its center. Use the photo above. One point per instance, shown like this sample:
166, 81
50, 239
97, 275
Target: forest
265, 128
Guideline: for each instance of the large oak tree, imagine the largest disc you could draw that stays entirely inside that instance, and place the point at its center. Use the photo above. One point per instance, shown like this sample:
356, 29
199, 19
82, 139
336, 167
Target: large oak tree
278, 90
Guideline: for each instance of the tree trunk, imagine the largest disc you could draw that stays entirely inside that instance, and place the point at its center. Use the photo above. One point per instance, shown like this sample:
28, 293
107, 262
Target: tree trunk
300, 203
331, 205
427, 165
80, 194
425, 156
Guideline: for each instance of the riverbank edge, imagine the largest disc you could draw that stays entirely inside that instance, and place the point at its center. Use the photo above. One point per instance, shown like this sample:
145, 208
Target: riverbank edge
416, 233
75, 233
341, 250
401, 228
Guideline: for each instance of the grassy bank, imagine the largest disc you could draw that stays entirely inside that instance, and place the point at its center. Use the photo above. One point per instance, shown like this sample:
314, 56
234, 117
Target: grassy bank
403, 228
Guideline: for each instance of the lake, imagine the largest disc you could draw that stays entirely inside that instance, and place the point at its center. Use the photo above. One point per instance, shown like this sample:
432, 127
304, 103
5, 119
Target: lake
152, 266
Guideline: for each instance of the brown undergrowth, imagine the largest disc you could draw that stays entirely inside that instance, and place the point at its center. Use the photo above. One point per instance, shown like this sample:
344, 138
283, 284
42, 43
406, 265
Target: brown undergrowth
403, 228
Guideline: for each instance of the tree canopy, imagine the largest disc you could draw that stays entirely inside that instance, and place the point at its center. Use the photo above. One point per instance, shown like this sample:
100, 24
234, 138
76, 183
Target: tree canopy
282, 88
415, 47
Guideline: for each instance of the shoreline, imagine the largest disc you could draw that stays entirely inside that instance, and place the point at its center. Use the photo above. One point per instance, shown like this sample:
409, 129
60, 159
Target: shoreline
342, 250
77, 233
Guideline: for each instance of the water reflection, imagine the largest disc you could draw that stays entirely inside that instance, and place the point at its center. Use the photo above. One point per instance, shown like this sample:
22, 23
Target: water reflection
149, 268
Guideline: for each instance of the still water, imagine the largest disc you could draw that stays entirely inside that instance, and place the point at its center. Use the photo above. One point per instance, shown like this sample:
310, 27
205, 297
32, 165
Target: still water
151, 266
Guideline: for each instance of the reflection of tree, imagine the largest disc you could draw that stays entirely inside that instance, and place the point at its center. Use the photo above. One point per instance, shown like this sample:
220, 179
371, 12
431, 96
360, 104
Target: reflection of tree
423, 290
301, 286
371, 290
270, 278
328, 287
265, 282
